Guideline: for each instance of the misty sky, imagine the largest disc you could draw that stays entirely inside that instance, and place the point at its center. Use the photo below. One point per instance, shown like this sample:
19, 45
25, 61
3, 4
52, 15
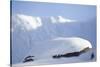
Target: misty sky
77, 12
71, 11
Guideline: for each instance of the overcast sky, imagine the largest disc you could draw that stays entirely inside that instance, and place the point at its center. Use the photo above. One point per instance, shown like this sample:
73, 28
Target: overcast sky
78, 12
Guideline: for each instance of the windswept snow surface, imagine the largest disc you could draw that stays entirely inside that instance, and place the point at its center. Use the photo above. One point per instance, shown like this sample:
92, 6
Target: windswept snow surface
57, 61
43, 37
43, 51
58, 46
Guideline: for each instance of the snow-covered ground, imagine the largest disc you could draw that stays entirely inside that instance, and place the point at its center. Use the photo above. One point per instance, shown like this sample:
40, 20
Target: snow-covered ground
43, 52
44, 37
57, 61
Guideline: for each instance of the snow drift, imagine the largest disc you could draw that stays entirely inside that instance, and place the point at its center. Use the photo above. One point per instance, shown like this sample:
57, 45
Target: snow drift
44, 51
28, 37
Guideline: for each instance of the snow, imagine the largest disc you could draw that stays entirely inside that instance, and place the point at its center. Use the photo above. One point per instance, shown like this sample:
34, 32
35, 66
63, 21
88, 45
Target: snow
47, 39
57, 61
53, 47
43, 51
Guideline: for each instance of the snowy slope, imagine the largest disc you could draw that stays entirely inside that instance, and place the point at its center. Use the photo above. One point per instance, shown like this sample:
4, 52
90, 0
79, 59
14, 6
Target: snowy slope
56, 61
29, 31
58, 46
43, 51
